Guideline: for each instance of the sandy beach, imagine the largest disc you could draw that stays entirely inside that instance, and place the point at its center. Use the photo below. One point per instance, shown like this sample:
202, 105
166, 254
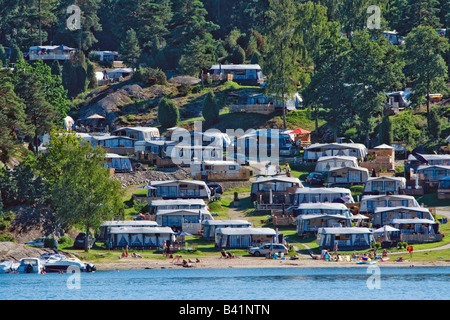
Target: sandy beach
252, 262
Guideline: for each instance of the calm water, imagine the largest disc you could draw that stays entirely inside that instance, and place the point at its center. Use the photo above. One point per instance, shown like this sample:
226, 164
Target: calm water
234, 284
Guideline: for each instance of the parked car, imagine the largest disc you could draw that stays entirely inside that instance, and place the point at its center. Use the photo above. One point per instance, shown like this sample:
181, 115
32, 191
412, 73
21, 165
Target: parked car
37, 243
267, 248
215, 188
315, 178
79, 241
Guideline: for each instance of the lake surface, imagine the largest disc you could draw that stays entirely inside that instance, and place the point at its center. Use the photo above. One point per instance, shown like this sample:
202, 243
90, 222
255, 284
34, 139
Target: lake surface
355, 283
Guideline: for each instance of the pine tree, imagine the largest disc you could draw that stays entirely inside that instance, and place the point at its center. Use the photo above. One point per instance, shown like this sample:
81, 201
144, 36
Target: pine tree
168, 114
56, 68
12, 116
385, 133
281, 66
2, 56
129, 49
16, 55
188, 23
434, 124
210, 109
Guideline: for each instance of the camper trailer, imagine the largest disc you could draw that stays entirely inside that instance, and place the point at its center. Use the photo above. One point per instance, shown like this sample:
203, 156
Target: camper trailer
317, 150
324, 164
210, 226
179, 189
347, 238
384, 185
273, 192
369, 203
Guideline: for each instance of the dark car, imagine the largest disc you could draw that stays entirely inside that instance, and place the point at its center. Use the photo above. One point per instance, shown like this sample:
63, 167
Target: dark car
215, 188
315, 178
79, 241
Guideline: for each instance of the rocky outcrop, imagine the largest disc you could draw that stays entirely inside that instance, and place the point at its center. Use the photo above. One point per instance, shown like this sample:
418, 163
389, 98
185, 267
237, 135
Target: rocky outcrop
143, 177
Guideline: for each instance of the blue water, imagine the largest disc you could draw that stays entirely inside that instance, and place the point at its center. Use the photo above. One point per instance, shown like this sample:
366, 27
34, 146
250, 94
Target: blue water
360, 283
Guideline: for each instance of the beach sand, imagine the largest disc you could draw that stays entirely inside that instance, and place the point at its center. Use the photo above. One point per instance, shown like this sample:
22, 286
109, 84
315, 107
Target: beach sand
252, 262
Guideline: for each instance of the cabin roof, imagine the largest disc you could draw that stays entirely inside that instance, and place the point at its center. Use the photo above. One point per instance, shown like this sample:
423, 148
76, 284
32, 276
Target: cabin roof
246, 231
348, 230
236, 67
138, 230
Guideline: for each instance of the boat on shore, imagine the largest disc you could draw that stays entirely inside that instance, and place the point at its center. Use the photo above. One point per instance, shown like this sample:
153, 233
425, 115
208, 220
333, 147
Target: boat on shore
59, 263
8, 266
30, 265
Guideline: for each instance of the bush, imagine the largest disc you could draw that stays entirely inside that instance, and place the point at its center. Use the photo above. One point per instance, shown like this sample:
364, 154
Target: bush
149, 76
50, 243
65, 241
7, 237
168, 113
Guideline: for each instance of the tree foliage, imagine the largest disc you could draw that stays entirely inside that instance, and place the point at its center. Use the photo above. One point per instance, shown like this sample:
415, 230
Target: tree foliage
84, 195
168, 114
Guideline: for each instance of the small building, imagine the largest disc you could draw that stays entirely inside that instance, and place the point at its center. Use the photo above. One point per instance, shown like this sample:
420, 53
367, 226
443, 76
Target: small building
242, 238
384, 185
433, 173
188, 220
369, 203
143, 149
382, 216
107, 56
106, 226
50, 53
417, 230
347, 175
321, 209
138, 133
324, 164
219, 170
380, 158
119, 73
396, 101
118, 163
139, 237
273, 192
311, 223
393, 37
316, 195
415, 160
258, 144
179, 189
174, 204
252, 103
244, 74
317, 150
114, 144
209, 227
346, 238
183, 154
443, 191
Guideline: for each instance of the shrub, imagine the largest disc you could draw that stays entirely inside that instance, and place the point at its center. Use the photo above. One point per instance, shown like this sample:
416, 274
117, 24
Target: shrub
149, 76
7, 237
65, 241
50, 243
168, 113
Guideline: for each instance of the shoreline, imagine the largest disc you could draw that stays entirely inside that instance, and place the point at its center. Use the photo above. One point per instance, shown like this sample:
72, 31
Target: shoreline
251, 262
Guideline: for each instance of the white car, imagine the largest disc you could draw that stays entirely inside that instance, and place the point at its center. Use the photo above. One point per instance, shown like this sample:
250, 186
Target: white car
37, 243
268, 248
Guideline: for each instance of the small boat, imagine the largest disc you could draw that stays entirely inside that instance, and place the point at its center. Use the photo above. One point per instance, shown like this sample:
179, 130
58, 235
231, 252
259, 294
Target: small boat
30, 265
8, 266
60, 264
